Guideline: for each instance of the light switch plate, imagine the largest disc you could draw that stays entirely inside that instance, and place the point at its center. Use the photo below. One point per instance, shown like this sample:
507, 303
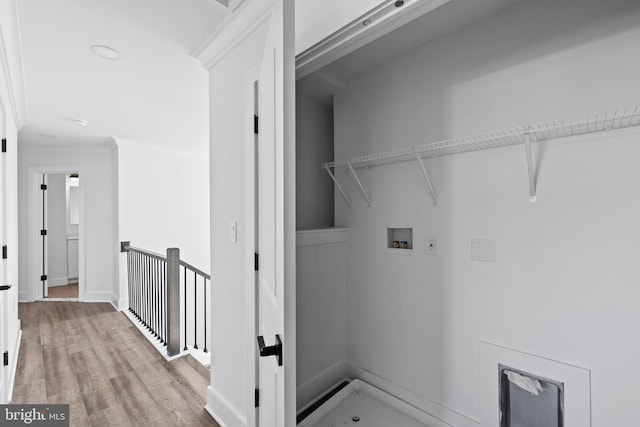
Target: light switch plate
233, 231
484, 250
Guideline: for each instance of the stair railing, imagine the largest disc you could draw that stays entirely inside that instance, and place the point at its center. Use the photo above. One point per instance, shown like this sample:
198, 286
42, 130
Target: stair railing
156, 286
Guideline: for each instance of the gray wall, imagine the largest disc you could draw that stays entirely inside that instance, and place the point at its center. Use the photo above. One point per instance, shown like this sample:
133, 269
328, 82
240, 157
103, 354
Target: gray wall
314, 145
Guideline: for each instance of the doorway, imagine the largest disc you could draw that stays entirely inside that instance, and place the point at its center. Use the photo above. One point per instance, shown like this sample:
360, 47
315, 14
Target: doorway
56, 214
62, 219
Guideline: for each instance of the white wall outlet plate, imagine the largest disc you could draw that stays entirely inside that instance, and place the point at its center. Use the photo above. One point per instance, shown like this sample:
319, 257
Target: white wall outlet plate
431, 245
484, 250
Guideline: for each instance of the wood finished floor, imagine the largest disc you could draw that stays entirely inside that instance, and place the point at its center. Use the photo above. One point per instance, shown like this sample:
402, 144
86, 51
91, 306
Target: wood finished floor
66, 291
93, 358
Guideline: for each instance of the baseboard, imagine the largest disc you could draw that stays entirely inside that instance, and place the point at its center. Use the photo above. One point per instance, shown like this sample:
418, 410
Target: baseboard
319, 384
223, 411
14, 368
123, 303
24, 297
97, 297
447, 415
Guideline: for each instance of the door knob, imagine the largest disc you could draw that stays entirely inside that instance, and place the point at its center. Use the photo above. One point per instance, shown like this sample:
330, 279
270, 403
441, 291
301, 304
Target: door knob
272, 350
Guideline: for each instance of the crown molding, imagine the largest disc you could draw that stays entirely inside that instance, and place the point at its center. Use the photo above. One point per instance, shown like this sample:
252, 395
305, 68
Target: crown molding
13, 71
243, 21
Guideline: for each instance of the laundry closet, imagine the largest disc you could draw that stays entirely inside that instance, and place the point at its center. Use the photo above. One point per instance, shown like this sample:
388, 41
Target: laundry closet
467, 204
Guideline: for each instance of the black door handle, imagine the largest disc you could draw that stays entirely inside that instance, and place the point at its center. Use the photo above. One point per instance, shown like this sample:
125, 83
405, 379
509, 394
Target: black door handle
273, 350
5, 287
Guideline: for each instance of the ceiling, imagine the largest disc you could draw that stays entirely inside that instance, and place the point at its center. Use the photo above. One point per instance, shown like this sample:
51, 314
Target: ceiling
444, 20
156, 93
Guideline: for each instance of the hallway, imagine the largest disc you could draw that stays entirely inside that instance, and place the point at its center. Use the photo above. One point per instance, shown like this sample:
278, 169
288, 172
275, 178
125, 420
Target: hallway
92, 357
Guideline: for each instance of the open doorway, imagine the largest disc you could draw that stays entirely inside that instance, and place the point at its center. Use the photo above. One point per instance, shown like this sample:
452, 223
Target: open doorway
62, 219
56, 213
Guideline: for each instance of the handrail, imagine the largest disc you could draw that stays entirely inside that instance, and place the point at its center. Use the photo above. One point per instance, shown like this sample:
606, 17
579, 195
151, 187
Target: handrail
144, 252
195, 270
156, 287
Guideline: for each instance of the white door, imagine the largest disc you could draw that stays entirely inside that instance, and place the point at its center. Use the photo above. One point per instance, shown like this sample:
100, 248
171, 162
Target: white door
42, 282
276, 225
4, 313
4, 276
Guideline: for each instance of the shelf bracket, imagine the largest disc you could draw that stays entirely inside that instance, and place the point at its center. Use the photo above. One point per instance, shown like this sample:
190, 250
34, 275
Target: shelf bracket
532, 182
434, 195
335, 181
364, 193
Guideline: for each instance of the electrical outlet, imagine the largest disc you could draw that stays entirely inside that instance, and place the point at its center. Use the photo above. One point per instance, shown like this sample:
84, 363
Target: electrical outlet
431, 245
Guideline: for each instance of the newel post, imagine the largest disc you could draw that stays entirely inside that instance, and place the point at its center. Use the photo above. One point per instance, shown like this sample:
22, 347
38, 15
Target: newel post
173, 301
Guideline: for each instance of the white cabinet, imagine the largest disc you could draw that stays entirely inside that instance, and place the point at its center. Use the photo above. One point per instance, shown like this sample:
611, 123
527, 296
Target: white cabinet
72, 258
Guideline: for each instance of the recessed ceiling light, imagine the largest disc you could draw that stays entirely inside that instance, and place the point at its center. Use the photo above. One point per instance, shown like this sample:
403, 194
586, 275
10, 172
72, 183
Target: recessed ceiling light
105, 52
80, 122
366, 22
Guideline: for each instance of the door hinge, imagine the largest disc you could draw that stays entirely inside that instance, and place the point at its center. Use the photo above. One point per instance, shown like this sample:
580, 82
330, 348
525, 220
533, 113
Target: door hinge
43, 277
43, 186
4, 145
256, 262
257, 398
43, 232
255, 124
4, 252
6, 358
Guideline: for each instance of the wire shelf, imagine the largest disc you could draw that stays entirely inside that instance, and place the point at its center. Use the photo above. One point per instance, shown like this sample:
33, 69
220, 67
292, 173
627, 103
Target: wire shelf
578, 125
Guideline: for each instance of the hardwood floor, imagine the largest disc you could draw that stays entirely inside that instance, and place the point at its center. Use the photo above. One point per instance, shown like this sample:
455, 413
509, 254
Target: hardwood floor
66, 291
93, 358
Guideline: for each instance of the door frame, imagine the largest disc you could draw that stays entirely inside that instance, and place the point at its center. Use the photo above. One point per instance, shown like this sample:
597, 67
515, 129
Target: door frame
34, 243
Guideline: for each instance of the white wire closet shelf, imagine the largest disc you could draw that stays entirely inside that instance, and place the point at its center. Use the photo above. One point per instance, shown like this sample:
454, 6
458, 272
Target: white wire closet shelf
578, 125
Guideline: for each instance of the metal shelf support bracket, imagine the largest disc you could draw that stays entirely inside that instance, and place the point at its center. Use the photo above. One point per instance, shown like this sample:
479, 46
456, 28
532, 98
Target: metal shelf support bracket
434, 195
364, 193
335, 181
532, 182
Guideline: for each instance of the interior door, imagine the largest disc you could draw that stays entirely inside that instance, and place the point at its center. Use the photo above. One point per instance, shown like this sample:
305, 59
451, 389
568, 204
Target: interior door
4, 313
276, 329
43, 287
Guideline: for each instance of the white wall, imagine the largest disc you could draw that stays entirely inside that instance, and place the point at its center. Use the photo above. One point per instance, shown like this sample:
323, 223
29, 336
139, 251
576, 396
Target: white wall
314, 145
57, 229
230, 96
563, 286
97, 171
164, 200
321, 311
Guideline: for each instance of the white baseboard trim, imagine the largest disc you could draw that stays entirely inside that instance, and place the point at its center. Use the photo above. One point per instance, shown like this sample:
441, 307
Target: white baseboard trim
24, 297
123, 304
92, 296
444, 414
223, 411
16, 353
319, 384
